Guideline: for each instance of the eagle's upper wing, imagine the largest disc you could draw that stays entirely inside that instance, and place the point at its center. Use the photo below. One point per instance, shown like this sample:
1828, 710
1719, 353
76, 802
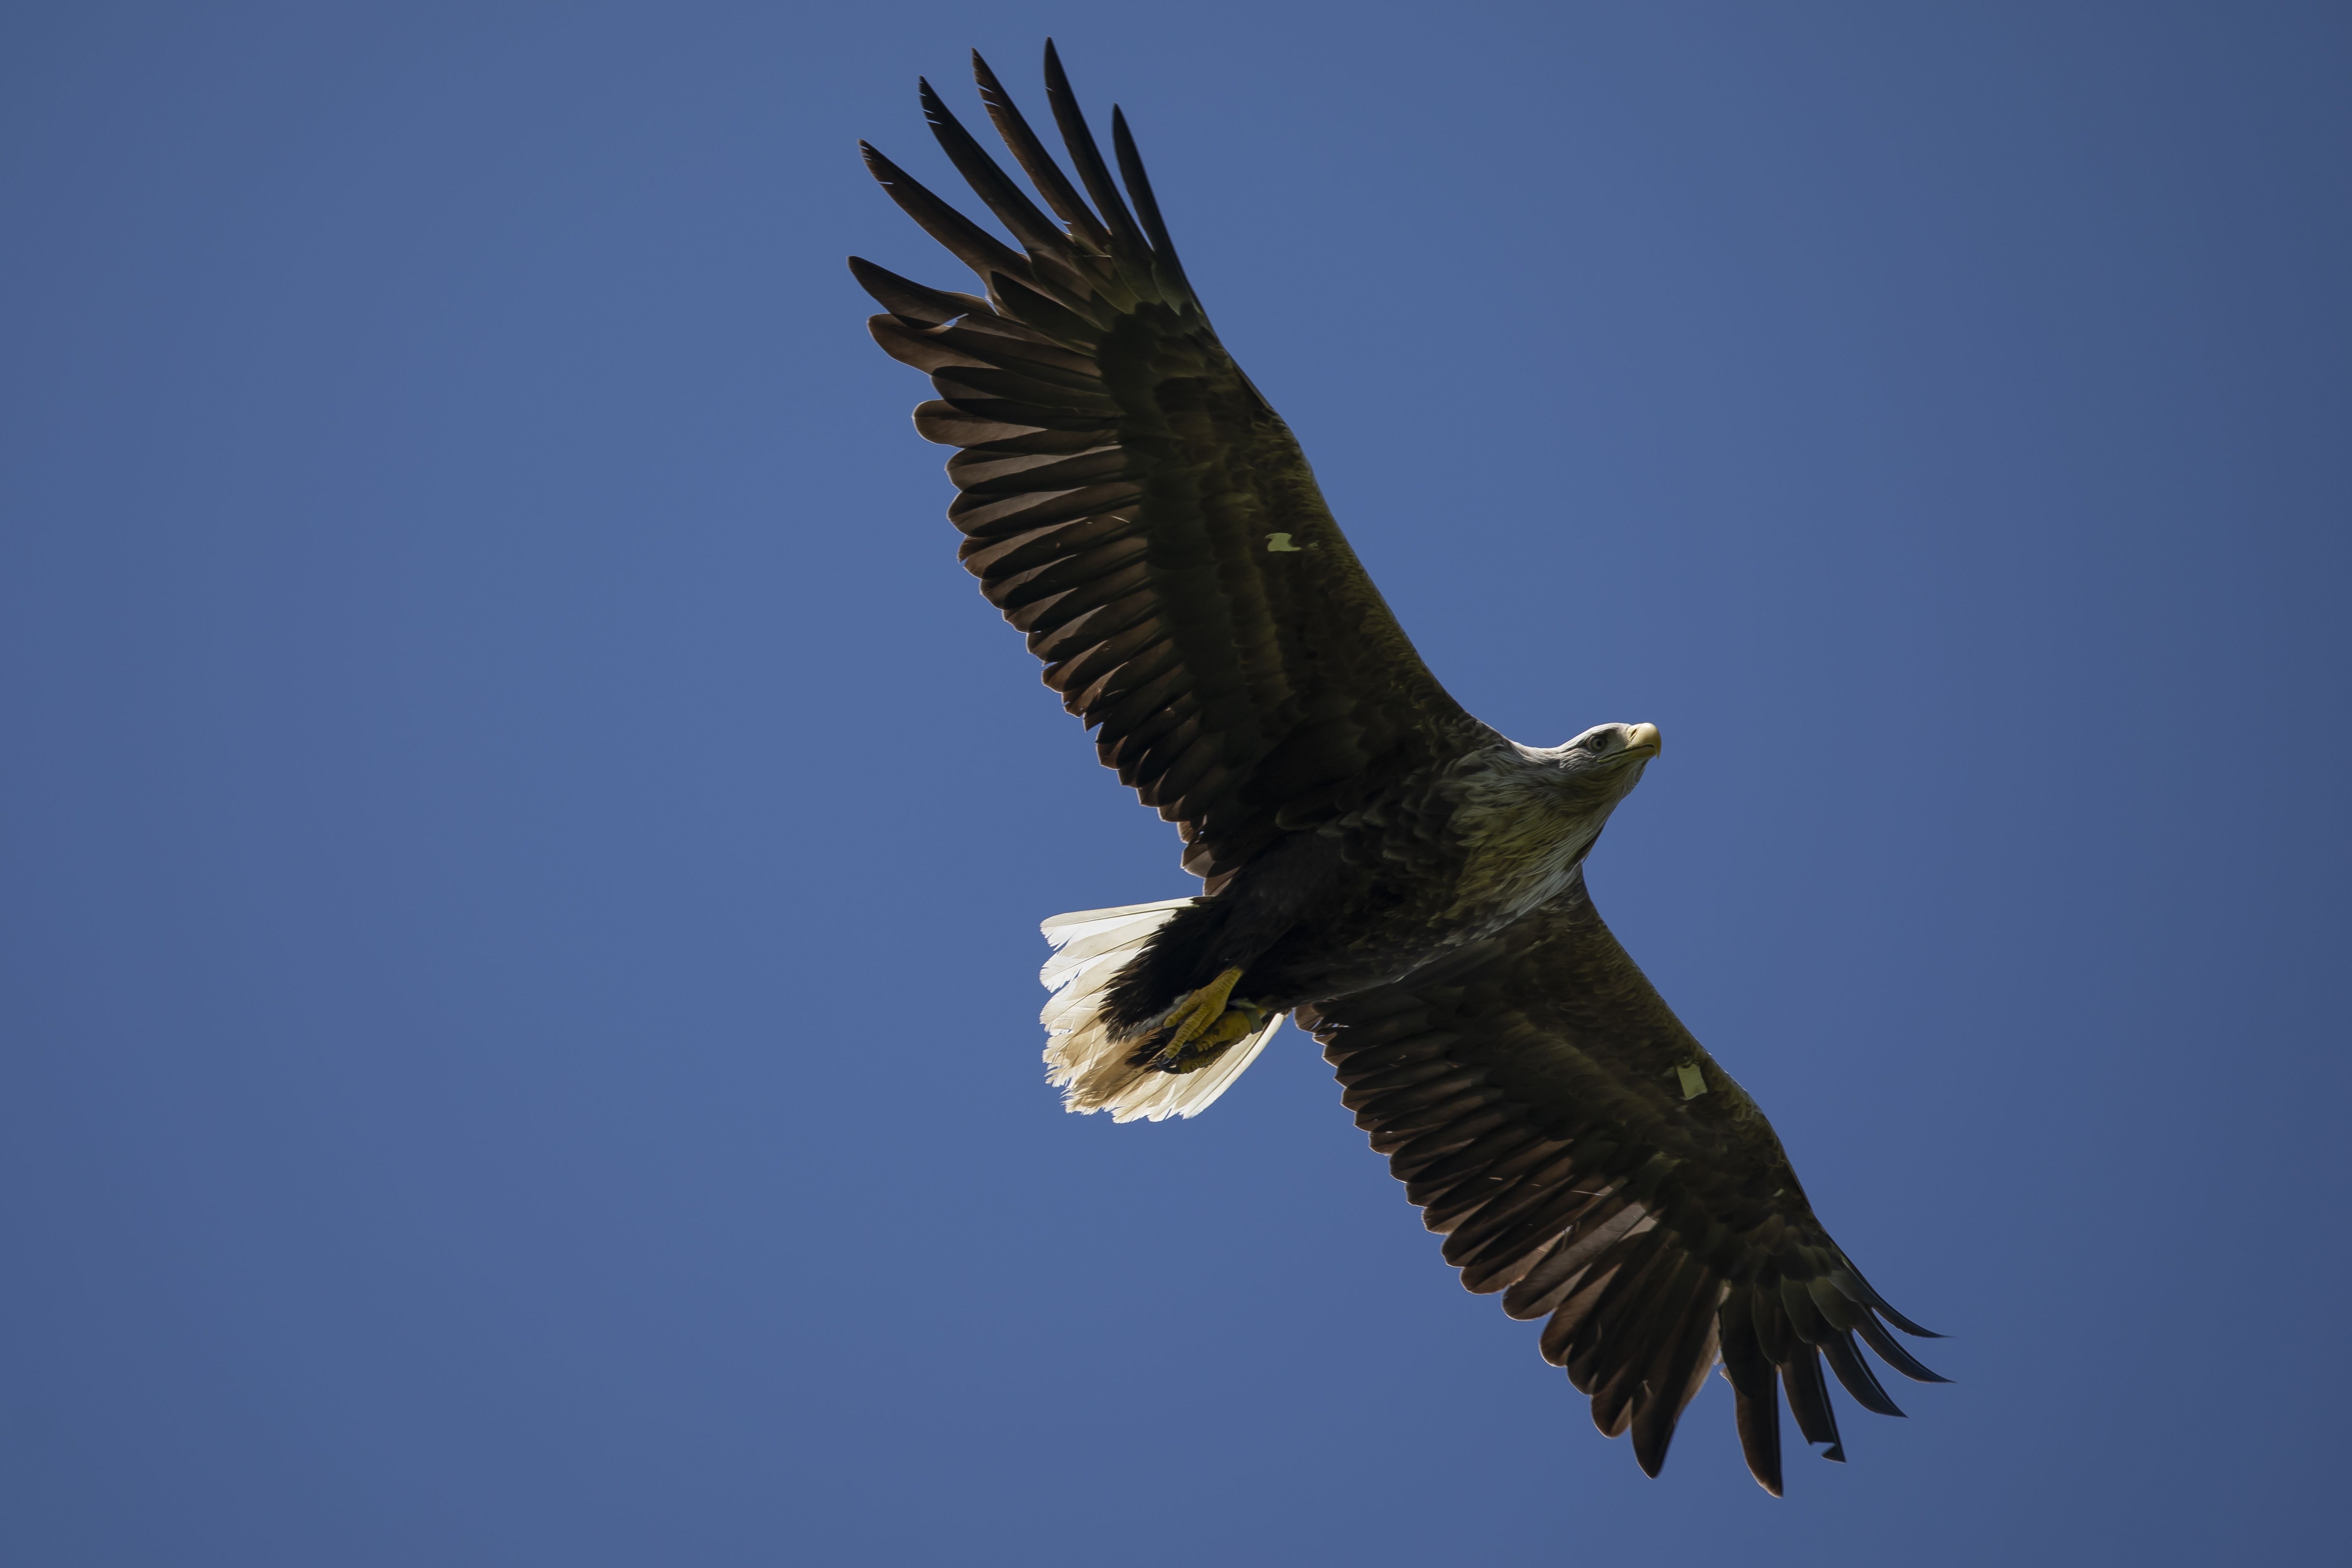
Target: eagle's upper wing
1133, 504
1530, 1091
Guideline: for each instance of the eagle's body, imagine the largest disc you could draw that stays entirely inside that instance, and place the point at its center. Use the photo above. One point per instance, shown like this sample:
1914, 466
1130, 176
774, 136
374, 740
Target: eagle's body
1438, 857
1401, 879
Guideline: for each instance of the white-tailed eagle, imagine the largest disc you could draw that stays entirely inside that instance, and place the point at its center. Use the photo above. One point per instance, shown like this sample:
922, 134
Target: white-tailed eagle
1404, 882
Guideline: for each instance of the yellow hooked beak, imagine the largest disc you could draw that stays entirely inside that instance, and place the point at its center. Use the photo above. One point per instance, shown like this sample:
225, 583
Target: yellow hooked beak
1644, 738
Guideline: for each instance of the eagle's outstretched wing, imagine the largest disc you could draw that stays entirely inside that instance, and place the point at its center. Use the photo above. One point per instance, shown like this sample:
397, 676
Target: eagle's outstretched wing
1584, 1155
1133, 504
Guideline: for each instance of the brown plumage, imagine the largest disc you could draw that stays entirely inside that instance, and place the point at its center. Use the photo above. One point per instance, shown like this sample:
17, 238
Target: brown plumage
1403, 881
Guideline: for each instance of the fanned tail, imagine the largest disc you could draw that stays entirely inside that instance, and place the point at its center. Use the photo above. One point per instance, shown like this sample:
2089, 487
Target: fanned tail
1082, 1059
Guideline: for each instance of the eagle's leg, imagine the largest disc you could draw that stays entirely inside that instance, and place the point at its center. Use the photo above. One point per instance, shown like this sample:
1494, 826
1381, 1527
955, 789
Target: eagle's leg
1236, 1024
1194, 1014
1203, 1024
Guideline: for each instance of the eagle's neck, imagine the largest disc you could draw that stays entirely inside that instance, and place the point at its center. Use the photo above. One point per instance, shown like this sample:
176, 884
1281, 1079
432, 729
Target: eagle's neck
1524, 825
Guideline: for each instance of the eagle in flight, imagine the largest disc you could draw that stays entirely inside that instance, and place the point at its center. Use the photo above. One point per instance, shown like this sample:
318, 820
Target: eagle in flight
1402, 880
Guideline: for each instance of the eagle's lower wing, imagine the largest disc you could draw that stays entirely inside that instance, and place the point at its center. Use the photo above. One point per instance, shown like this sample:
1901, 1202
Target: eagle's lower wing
1532, 1091
1133, 504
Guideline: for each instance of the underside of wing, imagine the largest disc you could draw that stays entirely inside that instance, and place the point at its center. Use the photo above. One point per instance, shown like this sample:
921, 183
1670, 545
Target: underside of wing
1132, 505
1584, 1155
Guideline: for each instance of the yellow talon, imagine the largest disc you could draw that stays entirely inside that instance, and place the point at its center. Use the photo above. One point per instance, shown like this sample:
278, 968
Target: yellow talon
1191, 1017
1238, 1022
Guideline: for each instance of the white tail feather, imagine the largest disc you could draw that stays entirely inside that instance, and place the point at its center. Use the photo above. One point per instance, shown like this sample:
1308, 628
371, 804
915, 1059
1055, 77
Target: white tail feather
1083, 1061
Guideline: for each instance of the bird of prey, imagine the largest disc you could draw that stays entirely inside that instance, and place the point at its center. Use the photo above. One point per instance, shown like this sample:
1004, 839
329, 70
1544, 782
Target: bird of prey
1402, 880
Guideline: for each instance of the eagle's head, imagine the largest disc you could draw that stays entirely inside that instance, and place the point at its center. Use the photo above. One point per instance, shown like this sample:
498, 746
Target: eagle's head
1600, 767
1612, 749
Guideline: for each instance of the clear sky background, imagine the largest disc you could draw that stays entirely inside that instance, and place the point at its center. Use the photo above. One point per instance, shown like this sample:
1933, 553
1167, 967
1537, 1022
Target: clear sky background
523, 849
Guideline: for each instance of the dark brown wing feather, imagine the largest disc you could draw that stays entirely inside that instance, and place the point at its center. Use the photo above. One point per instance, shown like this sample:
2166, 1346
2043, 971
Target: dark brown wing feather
1127, 497
1527, 1090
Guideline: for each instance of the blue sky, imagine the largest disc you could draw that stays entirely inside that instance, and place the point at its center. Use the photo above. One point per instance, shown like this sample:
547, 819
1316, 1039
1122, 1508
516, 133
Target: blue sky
520, 852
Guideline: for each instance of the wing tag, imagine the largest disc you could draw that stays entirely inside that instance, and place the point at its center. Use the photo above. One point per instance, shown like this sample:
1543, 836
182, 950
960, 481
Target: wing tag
1279, 542
1694, 1082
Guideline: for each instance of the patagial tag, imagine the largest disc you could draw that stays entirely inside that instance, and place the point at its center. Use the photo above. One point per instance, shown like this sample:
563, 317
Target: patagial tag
1280, 542
1694, 1084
